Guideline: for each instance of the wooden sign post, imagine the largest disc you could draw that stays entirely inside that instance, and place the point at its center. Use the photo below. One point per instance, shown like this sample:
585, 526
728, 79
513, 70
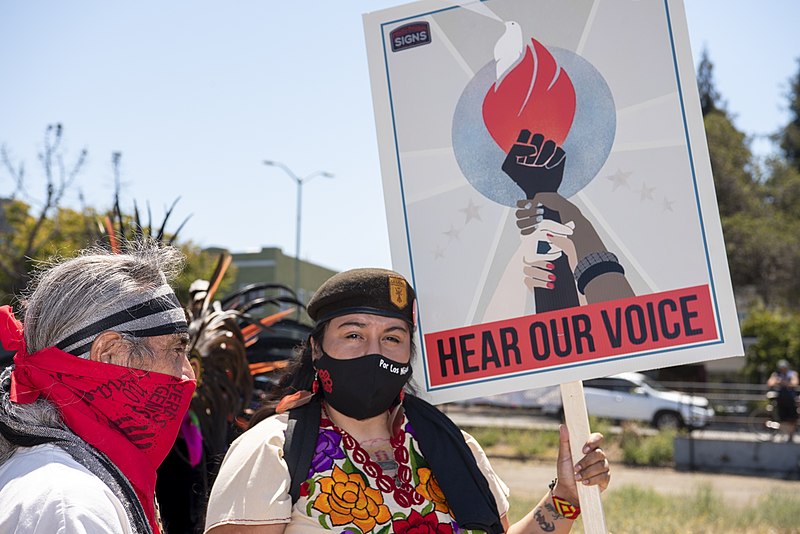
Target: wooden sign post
577, 420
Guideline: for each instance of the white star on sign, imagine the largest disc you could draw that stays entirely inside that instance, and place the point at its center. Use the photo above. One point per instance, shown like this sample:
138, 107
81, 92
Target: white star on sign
619, 178
471, 212
646, 193
452, 233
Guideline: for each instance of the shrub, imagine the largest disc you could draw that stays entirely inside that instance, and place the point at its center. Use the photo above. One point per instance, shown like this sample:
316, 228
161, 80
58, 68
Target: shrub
516, 442
638, 449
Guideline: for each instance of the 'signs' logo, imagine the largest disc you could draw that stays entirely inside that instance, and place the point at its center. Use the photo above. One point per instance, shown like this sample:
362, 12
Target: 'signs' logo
410, 35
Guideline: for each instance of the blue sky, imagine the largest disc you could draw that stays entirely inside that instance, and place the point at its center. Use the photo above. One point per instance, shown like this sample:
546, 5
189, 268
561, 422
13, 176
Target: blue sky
196, 94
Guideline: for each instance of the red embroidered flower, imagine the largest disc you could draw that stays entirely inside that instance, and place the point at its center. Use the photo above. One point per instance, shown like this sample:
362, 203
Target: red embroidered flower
416, 523
325, 379
304, 489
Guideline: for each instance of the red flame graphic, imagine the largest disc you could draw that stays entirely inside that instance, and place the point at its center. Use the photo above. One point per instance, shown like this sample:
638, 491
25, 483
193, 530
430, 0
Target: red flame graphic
535, 95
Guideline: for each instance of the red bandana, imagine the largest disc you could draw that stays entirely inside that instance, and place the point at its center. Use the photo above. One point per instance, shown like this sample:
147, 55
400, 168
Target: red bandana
130, 415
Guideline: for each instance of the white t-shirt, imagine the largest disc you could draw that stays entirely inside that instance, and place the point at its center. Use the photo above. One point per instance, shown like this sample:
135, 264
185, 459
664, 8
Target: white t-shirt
252, 487
43, 490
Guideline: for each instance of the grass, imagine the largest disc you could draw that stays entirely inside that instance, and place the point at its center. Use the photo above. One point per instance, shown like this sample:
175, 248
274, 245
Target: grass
632, 509
516, 443
641, 450
645, 511
630, 447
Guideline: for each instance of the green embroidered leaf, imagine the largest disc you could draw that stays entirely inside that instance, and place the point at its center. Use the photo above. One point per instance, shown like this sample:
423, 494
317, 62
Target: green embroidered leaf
427, 509
399, 515
323, 522
350, 468
384, 530
310, 503
417, 462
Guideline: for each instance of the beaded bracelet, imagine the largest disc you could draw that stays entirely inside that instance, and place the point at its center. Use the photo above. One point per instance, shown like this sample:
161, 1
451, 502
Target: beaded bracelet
563, 506
593, 265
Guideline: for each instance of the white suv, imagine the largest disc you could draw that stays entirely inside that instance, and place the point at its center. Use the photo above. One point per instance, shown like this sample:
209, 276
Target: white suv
635, 397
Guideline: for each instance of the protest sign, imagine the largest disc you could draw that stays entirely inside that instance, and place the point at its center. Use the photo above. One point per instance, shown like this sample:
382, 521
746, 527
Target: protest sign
548, 191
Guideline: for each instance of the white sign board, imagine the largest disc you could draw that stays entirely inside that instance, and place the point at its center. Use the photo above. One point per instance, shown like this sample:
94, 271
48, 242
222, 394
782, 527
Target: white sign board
548, 191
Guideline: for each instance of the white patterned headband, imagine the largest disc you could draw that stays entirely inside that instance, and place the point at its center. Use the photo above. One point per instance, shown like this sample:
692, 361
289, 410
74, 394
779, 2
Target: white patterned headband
155, 313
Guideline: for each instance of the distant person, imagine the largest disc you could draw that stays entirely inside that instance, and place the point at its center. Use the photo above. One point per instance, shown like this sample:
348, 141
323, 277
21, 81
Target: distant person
784, 380
96, 395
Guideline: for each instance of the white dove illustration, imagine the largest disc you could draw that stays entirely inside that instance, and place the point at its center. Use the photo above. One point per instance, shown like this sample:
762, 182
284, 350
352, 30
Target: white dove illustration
508, 50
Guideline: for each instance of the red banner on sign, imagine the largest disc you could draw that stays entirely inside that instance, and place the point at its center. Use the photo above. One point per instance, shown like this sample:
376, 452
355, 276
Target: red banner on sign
573, 335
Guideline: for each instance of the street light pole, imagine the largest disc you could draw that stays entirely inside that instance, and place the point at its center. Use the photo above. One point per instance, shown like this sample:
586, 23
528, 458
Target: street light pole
299, 181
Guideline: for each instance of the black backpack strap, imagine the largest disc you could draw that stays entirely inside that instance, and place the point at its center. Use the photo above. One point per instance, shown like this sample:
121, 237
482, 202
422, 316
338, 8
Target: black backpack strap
22, 439
302, 434
454, 466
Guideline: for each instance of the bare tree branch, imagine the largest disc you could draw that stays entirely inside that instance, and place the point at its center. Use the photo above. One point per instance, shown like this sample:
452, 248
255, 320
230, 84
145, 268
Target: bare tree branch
17, 173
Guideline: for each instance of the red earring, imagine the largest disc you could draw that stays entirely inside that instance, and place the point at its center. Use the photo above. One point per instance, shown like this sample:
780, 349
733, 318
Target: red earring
315, 384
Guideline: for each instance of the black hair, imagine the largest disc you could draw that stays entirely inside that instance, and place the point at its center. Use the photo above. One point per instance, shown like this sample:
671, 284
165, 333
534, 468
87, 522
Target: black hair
297, 376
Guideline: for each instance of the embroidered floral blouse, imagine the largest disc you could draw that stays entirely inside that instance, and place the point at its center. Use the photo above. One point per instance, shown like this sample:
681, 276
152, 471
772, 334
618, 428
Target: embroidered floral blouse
346, 492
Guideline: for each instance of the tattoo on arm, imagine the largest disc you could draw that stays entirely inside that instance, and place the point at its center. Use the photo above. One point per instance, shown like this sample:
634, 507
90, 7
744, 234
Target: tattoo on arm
552, 510
543, 524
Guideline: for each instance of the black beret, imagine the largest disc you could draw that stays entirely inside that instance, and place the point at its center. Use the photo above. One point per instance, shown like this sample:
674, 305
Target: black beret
375, 291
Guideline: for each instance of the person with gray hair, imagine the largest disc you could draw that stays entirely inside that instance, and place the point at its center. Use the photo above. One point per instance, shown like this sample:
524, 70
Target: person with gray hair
96, 395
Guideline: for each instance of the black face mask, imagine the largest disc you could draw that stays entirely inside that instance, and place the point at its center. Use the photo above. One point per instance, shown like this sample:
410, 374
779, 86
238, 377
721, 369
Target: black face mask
361, 387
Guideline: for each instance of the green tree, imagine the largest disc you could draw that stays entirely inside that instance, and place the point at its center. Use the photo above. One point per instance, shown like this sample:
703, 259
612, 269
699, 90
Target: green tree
782, 186
732, 166
763, 254
710, 99
731, 159
778, 226
777, 334
789, 137
759, 204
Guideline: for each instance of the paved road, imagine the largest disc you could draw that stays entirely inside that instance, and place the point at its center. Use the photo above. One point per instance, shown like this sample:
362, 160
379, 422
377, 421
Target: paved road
464, 415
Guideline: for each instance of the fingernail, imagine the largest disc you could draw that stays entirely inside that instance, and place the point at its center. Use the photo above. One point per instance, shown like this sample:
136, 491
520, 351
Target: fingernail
577, 468
551, 277
586, 449
577, 476
539, 218
550, 266
550, 285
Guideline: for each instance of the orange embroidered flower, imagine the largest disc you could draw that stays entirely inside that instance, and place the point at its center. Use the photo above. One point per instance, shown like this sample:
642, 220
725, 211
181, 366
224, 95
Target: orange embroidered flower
346, 499
429, 488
